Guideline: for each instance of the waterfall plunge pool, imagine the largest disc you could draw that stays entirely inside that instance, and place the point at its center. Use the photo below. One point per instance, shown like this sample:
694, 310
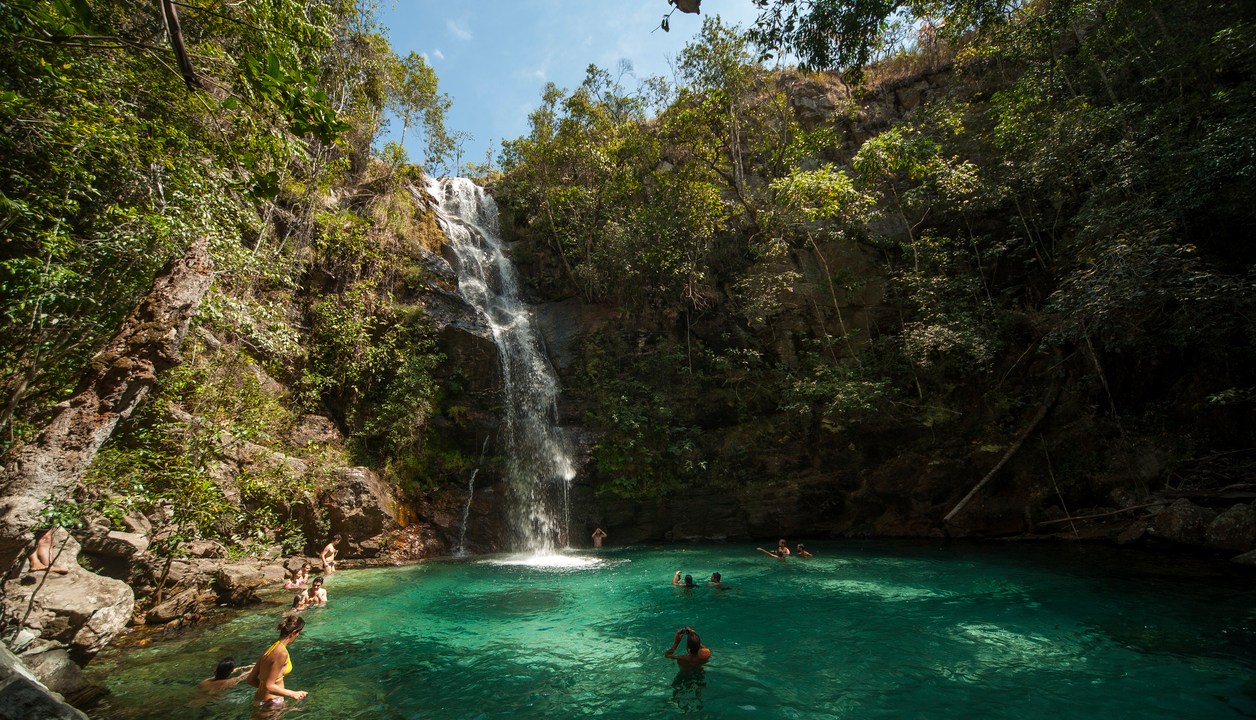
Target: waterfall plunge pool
863, 630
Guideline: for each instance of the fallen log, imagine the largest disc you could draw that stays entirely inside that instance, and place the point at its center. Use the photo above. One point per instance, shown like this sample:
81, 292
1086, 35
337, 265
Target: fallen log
1043, 409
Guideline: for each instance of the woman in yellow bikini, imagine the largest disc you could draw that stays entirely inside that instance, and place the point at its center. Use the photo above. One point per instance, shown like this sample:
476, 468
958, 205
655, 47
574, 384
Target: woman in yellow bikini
267, 675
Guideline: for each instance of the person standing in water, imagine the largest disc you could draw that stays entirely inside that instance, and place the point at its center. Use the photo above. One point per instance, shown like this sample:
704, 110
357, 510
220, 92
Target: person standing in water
696, 654
329, 556
781, 552
717, 583
802, 551
274, 664
598, 535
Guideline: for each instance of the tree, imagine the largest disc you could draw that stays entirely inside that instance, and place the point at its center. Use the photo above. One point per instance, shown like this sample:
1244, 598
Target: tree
416, 98
845, 34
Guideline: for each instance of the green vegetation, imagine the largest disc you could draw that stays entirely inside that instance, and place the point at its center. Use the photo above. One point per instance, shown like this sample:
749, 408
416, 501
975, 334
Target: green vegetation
113, 161
799, 273
1066, 204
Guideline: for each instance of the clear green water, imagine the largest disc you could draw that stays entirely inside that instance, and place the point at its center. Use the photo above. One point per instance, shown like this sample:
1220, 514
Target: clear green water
864, 630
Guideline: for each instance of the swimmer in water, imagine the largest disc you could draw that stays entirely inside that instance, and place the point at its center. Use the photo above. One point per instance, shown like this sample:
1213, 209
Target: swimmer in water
717, 583
802, 551
677, 579
226, 675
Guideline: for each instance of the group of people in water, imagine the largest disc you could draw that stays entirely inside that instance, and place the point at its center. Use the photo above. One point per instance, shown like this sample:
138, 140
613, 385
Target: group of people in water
782, 550
268, 673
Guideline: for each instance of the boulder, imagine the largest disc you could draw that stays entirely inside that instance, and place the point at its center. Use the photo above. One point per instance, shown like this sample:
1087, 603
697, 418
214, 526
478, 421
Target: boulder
360, 507
80, 610
23, 697
1233, 530
57, 672
174, 608
1183, 522
115, 544
206, 549
315, 430
237, 584
1247, 558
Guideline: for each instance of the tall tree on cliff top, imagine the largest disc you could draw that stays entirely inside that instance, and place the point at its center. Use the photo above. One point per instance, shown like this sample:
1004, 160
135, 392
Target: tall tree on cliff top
845, 34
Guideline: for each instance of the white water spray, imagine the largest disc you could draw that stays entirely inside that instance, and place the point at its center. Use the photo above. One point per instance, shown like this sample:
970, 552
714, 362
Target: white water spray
538, 463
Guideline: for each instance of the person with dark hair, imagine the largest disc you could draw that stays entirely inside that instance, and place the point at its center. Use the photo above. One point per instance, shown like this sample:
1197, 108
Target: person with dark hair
696, 654
316, 594
269, 671
689, 583
717, 583
298, 577
226, 675
802, 551
328, 556
598, 536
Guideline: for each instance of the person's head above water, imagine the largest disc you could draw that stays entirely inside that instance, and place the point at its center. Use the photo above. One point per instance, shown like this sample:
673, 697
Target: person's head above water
226, 666
290, 626
688, 581
715, 577
693, 643
317, 582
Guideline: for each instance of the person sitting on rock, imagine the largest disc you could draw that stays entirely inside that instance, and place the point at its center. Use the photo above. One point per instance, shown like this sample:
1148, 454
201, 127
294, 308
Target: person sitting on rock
328, 556
41, 557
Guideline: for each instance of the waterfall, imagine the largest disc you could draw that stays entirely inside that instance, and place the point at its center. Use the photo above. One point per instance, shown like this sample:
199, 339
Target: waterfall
466, 509
538, 463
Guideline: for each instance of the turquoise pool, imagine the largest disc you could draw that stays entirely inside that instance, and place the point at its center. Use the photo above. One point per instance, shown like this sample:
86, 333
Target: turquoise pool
863, 630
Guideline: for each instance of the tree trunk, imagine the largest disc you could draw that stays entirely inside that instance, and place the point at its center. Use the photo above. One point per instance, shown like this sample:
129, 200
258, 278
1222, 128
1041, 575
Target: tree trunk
112, 386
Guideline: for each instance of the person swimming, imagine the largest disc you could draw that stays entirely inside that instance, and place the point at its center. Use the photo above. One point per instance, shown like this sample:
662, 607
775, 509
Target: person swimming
269, 671
689, 585
226, 675
717, 583
802, 551
677, 578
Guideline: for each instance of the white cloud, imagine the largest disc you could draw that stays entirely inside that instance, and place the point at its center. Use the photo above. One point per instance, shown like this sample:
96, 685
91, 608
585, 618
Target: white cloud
438, 54
457, 30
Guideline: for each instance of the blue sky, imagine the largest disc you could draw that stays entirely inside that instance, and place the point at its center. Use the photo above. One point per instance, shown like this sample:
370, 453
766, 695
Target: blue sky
493, 57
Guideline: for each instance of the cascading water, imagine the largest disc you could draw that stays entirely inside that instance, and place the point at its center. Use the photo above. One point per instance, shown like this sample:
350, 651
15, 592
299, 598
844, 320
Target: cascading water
538, 461
466, 509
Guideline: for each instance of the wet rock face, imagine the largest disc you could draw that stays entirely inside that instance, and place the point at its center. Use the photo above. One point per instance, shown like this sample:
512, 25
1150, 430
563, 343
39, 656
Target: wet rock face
78, 611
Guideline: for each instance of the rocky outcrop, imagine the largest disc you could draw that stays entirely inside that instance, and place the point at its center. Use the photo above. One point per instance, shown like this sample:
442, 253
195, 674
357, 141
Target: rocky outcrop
79, 611
1233, 530
115, 382
23, 697
1183, 522
237, 583
361, 508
